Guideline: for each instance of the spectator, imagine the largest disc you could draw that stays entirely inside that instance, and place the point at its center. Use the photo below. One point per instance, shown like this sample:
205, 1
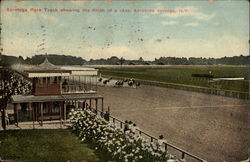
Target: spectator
87, 106
130, 125
126, 126
65, 86
134, 128
106, 116
7, 118
161, 140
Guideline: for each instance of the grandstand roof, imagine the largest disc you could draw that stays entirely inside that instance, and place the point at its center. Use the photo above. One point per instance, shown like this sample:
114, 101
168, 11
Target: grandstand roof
47, 69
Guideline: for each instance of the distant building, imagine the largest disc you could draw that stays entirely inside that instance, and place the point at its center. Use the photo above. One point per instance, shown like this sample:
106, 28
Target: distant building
55, 91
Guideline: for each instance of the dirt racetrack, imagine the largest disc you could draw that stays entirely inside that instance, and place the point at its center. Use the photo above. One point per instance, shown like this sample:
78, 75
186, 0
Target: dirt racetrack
214, 128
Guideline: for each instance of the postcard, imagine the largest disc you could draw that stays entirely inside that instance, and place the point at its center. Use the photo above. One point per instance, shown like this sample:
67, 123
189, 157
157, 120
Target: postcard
175, 71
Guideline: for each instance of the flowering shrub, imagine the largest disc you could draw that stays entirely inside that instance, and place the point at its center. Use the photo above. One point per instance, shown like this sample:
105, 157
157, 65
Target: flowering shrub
13, 84
108, 138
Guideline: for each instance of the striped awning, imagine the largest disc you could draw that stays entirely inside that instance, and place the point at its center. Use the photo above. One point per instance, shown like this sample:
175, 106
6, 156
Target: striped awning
49, 74
32, 98
85, 72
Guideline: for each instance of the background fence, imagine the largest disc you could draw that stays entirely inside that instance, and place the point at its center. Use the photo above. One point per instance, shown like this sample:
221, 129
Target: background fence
207, 90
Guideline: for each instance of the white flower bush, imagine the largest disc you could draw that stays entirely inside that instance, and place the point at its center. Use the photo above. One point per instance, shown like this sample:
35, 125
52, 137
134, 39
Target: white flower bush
111, 140
14, 84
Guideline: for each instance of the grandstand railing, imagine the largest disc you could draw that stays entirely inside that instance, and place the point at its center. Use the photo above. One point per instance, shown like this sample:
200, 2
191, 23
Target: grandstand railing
169, 148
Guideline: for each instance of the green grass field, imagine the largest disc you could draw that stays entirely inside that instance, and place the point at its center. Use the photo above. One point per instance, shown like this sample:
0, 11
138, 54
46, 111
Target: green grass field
183, 74
45, 145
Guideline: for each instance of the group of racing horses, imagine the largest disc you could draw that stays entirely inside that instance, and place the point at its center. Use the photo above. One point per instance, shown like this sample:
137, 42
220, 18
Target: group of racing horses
120, 83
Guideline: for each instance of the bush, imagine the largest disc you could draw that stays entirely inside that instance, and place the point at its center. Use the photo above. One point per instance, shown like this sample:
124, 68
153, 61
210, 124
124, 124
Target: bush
106, 137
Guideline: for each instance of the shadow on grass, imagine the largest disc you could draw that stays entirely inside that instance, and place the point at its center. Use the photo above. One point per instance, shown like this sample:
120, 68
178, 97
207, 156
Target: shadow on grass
101, 154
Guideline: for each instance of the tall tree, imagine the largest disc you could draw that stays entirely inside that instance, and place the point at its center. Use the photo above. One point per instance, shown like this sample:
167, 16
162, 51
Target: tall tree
10, 84
140, 60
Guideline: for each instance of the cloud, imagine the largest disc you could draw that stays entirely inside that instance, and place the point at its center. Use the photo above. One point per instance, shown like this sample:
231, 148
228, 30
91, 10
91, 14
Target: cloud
168, 22
222, 46
47, 17
187, 11
192, 24
226, 45
22, 46
195, 12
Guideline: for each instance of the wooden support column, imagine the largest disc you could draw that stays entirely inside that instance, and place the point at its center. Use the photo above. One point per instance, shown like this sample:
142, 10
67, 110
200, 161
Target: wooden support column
33, 113
76, 103
30, 110
95, 83
84, 104
80, 104
84, 83
61, 114
90, 83
90, 103
37, 111
79, 84
102, 105
16, 113
64, 108
96, 105
102, 109
41, 108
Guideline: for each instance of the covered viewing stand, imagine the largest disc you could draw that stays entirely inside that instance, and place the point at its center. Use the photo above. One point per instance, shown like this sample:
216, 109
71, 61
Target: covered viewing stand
39, 108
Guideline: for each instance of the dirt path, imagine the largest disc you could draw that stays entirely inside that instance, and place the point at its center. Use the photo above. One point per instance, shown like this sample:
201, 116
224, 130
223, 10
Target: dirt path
211, 127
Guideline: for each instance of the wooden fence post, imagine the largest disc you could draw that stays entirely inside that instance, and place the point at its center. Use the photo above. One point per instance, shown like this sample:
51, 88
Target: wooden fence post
183, 155
166, 147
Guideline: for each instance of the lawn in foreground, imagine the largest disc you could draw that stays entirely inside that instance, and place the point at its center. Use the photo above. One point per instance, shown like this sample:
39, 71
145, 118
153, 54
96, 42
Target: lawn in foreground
59, 145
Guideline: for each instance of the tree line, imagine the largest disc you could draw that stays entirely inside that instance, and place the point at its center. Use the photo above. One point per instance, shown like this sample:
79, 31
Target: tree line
6, 60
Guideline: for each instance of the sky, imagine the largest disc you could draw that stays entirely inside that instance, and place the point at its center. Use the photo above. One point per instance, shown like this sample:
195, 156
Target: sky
198, 28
